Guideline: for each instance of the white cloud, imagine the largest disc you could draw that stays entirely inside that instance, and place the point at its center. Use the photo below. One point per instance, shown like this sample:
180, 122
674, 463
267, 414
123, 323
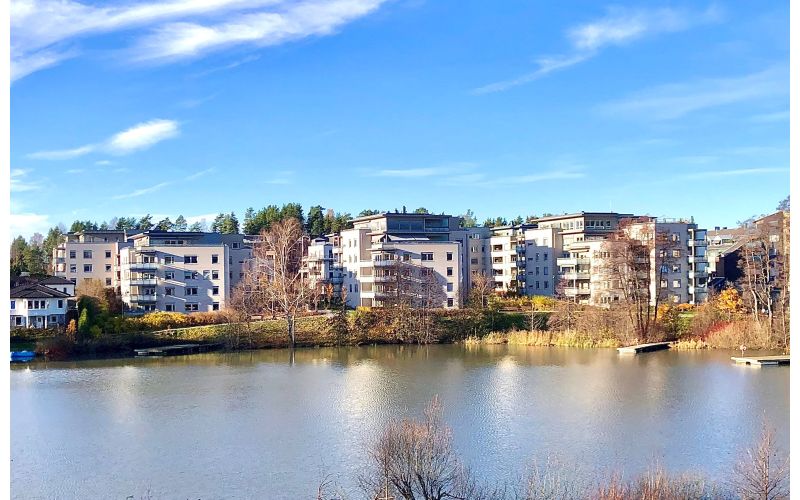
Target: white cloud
734, 173
27, 224
138, 137
539, 177
199, 174
619, 27
142, 136
41, 28
282, 177
411, 173
18, 182
75, 171
666, 102
142, 192
103, 162
778, 116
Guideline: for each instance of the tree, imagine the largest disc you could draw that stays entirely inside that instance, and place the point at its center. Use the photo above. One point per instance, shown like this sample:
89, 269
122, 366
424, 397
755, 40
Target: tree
35, 259
421, 210
51, 241
762, 473
145, 223
468, 219
217, 224
180, 224
276, 271
518, 220
229, 224
165, 225
784, 204
19, 248
82, 225
316, 221
416, 460
482, 287
126, 223
196, 227
367, 212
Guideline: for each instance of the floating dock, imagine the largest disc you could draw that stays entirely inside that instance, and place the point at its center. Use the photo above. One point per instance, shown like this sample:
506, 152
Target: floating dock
640, 348
178, 349
761, 360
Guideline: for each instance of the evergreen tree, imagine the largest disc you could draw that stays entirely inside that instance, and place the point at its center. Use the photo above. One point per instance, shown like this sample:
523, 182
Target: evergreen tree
196, 227
248, 220
145, 223
421, 210
180, 224
51, 241
165, 225
216, 226
468, 219
19, 248
229, 224
368, 212
316, 221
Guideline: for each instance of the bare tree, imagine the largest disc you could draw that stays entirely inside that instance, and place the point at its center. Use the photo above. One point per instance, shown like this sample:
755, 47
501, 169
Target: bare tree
762, 473
273, 280
482, 288
416, 460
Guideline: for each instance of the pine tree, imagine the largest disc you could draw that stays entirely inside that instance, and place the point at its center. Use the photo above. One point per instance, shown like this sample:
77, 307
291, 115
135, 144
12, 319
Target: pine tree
180, 224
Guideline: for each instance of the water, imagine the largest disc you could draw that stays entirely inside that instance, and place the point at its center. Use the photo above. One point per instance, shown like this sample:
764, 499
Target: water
271, 424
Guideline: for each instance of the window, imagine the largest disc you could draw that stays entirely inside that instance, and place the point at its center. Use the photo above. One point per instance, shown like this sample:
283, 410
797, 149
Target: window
215, 259
72, 254
169, 275
169, 290
191, 290
87, 254
108, 254
108, 281
676, 283
545, 284
215, 275
537, 285
545, 270
537, 256
449, 302
545, 257
676, 268
206, 274
191, 306
169, 259
73, 268
449, 287
663, 283
13, 304
190, 259
449, 255
215, 306
235, 245
190, 275
537, 270
426, 256
449, 271
215, 290
87, 268
474, 261
169, 307
108, 268
60, 304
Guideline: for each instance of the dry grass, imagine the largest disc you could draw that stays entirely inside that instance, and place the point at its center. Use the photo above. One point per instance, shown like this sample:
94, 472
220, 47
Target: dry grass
545, 339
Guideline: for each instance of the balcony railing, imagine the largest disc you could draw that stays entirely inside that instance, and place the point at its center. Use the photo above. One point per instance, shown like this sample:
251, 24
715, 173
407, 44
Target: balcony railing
694, 259
144, 281
577, 276
572, 261
698, 243
572, 291
698, 274
144, 265
143, 298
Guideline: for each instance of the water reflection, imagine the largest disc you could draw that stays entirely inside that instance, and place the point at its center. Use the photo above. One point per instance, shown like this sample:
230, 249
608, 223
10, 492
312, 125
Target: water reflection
254, 424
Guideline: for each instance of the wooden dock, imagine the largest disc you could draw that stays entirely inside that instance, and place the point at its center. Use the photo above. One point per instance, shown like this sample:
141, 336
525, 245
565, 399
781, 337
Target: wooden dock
640, 348
178, 349
761, 360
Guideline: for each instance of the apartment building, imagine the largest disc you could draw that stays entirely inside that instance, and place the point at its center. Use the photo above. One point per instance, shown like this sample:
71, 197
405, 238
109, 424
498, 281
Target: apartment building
437, 243
90, 255
321, 267
678, 263
523, 259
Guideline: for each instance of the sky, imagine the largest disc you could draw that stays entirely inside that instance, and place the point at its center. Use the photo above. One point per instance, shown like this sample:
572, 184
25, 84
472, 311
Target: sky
195, 107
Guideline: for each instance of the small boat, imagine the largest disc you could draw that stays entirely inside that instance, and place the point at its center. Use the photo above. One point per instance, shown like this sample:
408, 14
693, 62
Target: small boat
22, 355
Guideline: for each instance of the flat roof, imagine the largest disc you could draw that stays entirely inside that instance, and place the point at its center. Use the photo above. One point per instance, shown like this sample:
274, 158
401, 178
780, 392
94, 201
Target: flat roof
395, 214
584, 214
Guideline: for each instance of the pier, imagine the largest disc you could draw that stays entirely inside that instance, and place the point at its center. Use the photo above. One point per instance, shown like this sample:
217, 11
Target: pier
761, 360
640, 348
178, 349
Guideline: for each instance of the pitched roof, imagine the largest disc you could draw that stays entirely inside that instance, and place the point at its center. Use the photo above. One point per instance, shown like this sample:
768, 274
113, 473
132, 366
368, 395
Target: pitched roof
42, 280
36, 291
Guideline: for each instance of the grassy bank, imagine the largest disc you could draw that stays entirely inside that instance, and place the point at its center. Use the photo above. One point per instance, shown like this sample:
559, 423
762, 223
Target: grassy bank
545, 339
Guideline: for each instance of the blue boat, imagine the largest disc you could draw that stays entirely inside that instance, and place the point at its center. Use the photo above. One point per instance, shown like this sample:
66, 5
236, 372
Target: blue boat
22, 355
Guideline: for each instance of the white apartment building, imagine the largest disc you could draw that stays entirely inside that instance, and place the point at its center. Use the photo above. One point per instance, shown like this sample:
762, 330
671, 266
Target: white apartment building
523, 259
321, 266
181, 271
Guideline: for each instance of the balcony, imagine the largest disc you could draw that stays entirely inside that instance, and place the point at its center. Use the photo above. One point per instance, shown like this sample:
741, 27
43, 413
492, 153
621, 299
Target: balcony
143, 298
144, 266
520, 248
698, 274
144, 281
576, 291
698, 243
385, 263
582, 275
694, 259
572, 261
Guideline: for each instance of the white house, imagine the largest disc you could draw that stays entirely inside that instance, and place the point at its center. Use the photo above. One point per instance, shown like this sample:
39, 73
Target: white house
35, 305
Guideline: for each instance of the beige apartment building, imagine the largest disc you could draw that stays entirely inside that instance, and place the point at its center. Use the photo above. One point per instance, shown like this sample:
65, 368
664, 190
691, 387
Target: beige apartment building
90, 255
523, 259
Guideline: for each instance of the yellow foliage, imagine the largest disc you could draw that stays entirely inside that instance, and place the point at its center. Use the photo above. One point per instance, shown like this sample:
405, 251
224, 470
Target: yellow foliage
729, 301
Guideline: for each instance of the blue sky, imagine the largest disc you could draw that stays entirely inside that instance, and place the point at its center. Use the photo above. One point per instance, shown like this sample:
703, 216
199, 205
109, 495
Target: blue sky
195, 107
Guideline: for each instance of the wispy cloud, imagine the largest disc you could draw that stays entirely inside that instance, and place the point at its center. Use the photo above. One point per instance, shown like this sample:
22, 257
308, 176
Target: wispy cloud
229, 66
142, 192
618, 27
282, 177
27, 223
666, 102
103, 162
40, 29
75, 171
199, 174
19, 183
136, 138
412, 173
734, 172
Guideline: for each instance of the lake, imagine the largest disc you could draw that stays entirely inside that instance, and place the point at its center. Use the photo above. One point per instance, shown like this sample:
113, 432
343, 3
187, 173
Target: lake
273, 424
